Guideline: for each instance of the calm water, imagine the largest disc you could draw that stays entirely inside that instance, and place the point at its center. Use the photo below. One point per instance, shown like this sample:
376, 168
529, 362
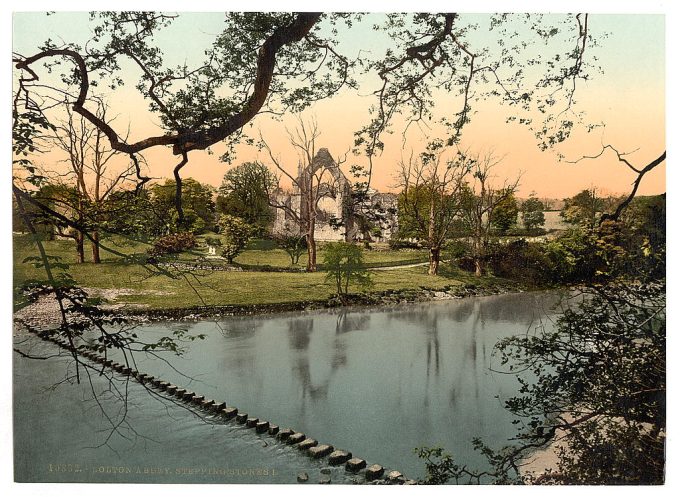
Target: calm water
377, 382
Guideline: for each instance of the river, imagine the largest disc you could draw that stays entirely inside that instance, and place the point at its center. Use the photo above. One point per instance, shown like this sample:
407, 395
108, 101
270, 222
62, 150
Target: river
378, 382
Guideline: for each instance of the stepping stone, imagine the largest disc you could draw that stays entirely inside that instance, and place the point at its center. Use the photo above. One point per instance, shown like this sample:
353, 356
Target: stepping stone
262, 426
374, 472
188, 395
179, 393
284, 434
307, 443
355, 464
320, 451
156, 382
273, 429
325, 480
251, 422
295, 438
171, 389
207, 404
197, 399
339, 457
229, 412
163, 385
218, 407
241, 418
302, 477
395, 477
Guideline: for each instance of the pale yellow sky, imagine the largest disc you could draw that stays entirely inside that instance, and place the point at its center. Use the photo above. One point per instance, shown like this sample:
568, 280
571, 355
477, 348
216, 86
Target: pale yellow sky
628, 98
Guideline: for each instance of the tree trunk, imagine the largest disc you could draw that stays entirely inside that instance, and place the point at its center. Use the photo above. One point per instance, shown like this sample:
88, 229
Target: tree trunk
311, 246
311, 253
478, 267
434, 261
80, 246
95, 248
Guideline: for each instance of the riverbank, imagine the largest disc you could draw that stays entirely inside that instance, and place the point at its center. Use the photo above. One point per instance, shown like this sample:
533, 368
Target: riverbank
45, 313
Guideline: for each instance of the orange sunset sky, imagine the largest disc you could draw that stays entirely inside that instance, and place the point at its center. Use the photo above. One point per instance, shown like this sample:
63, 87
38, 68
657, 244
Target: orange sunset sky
629, 98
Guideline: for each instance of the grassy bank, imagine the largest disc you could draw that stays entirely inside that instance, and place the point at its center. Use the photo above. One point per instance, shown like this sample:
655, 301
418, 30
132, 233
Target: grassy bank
124, 282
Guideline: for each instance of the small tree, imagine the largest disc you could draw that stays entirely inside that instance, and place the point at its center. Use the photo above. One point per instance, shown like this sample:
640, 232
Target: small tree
235, 235
344, 264
533, 218
294, 245
505, 214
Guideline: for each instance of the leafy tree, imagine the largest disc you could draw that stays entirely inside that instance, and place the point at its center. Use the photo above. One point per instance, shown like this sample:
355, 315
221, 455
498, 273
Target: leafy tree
294, 245
597, 384
344, 264
198, 206
533, 218
505, 214
235, 234
245, 192
584, 208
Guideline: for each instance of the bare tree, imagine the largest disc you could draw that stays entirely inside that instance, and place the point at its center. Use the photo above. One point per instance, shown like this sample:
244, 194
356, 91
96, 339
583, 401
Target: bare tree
429, 202
90, 174
318, 177
479, 201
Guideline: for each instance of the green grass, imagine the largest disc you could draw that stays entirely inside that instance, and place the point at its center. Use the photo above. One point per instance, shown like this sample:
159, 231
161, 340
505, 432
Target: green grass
141, 286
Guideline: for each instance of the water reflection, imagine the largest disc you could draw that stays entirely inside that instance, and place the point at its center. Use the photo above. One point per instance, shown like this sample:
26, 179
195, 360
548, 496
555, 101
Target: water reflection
379, 382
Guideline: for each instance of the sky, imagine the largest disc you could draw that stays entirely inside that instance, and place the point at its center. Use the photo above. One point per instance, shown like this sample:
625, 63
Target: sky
629, 97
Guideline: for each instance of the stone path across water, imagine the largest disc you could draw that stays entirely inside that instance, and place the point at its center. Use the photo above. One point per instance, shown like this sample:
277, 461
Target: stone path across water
356, 469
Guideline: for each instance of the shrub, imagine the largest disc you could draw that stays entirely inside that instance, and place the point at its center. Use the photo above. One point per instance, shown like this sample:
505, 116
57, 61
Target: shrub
520, 260
294, 245
398, 244
173, 244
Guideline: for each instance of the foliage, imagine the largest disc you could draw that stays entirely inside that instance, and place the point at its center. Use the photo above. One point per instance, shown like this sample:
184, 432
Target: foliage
294, 245
521, 261
235, 234
173, 244
596, 382
197, 204
213, 241
533, 218
396, 243
344, 264
586, 207
505, 214
245, 193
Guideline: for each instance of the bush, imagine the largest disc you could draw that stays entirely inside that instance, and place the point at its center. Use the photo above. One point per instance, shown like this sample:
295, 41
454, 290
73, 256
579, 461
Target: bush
173, 244
294, 245
522, 261
399, 244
